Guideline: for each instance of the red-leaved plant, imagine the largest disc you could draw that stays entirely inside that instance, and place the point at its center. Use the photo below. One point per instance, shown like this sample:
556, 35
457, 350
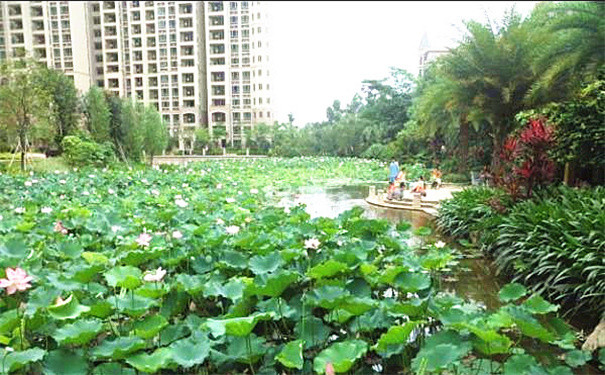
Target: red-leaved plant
525, 159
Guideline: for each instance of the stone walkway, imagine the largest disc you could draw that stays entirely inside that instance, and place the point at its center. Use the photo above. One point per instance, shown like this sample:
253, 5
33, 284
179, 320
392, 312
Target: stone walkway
411, 201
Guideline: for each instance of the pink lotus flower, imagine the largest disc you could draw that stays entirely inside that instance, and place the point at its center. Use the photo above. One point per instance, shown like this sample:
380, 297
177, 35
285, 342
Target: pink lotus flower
144, 239
158, 275
16, 279
60, 228
330, 369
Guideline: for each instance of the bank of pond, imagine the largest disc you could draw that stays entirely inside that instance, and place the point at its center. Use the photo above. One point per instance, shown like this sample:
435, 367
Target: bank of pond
217, 268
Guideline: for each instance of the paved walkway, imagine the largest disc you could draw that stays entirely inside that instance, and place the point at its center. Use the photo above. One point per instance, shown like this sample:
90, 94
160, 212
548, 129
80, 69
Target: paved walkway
428, 203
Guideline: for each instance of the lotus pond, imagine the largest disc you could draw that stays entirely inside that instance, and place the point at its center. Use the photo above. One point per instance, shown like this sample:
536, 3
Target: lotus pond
200, 270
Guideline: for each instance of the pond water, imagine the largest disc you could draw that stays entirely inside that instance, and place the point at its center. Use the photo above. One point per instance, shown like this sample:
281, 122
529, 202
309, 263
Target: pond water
475, 277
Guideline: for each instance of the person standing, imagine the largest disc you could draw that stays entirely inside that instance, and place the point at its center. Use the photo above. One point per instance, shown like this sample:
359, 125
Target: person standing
393, 171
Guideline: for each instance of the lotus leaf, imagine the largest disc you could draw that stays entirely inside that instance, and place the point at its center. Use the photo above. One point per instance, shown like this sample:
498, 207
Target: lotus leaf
291, 355
341, 355
78, 333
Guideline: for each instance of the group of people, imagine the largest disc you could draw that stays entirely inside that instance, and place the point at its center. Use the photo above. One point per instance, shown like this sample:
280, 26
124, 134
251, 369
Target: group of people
398, 183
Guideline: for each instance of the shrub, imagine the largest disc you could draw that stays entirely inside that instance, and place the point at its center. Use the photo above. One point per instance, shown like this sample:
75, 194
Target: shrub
457, 178
525, 159
555, 243
79, 153
471, 210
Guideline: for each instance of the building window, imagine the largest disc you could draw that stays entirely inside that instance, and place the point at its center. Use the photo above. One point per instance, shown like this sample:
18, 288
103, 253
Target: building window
233, 20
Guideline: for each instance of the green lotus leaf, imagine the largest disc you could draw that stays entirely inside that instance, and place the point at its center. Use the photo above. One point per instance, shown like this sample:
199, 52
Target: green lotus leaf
118, 348
396, 335
538, 305
291, 355
65, 362
528, 325
279, 306
441, 350
338, 315
150, 326
132, 305
577, 358
13, 248
235, 287
273, 285
234, 259
192, 284
327, 296
86, 274
412, 281
78, 333
238, 349
265, 264
237, 326
95, 258
128, 277
387, 276
190, 352
512, 292
70, 310
522, 364
151, 363
602, 356
14, 361
356, 305
101, 309
341, 355
489, 341
9, 320
312, 331
412, 308
328, 268
113, 368
70, 249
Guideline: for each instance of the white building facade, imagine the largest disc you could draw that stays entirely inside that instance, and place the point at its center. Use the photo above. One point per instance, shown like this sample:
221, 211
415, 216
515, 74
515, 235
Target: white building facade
201, 64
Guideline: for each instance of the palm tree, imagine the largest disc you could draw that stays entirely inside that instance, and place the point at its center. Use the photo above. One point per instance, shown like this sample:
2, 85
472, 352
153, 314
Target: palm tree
492, 72
571, 46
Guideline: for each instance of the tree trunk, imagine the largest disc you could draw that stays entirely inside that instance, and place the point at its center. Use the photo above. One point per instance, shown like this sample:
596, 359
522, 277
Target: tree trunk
22, 146
463, 136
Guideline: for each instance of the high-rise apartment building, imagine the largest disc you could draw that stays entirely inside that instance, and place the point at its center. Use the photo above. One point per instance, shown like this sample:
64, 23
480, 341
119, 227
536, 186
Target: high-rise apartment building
238, 67
201, 64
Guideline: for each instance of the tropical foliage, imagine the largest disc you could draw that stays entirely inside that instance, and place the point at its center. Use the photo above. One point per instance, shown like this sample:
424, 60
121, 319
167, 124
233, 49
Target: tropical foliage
550, 242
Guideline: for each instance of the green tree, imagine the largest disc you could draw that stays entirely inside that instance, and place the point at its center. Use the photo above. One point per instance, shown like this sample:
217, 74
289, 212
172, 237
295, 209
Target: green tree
202, 139
155, 133
131, 122
97, 114
64, 103
23, 101
117, 126
334, 113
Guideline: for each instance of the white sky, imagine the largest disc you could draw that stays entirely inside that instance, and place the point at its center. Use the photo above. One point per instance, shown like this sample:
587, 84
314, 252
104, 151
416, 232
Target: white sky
321, 51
